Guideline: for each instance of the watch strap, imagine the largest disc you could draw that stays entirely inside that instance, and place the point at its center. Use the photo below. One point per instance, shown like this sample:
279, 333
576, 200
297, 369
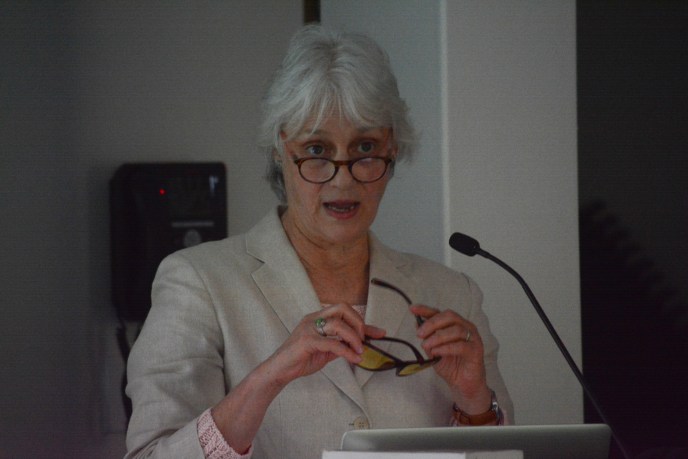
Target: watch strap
492, 416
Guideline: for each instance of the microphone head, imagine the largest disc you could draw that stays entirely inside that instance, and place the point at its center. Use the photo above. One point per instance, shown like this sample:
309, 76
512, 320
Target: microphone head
464, 244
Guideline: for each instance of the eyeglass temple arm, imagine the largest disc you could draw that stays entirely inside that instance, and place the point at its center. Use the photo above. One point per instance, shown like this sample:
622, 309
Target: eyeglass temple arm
381, 283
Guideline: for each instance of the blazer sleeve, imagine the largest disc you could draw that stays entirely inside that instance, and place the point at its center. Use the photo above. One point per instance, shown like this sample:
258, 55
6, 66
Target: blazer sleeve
175, 369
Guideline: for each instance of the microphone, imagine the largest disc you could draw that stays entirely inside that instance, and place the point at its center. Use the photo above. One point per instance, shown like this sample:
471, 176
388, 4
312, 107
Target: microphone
464, 244
471, 247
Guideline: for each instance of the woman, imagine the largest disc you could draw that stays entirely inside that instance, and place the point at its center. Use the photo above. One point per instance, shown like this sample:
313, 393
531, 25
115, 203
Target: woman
263, 344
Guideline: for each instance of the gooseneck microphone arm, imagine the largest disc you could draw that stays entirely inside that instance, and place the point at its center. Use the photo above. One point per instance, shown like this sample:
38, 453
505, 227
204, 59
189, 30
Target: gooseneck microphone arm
470, 246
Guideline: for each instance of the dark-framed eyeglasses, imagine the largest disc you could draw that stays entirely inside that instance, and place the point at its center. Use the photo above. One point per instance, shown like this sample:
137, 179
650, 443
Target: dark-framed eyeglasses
377, 359
367, 169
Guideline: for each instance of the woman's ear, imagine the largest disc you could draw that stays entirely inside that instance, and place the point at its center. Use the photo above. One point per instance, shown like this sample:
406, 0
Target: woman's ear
277, 152
277, 158
395, 152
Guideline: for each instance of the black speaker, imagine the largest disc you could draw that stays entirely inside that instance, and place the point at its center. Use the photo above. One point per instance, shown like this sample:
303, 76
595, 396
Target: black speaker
156, 209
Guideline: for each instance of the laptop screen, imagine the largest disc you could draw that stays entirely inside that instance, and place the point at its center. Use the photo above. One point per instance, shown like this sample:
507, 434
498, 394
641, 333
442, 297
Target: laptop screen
590, 441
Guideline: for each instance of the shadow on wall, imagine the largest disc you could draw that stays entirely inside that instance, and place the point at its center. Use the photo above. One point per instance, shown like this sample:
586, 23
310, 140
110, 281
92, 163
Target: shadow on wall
635, 339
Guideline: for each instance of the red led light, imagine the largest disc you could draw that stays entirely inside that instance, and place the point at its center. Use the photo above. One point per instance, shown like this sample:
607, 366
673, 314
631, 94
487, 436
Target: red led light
162, 191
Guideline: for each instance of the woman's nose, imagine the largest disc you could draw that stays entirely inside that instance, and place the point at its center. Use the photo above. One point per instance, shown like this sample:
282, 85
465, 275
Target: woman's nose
343, 177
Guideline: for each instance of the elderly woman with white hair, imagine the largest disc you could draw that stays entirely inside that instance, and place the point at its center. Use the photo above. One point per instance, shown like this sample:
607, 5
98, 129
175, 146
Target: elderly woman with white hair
274, 343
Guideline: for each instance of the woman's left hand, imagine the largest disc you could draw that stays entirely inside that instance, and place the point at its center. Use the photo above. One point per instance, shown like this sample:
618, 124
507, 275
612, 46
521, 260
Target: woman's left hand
457, 341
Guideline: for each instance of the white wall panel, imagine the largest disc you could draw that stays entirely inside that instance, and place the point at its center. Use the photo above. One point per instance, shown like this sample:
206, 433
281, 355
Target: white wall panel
493, 87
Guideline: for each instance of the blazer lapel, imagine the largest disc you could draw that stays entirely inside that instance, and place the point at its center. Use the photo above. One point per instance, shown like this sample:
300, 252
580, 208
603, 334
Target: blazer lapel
285, 284
281, 278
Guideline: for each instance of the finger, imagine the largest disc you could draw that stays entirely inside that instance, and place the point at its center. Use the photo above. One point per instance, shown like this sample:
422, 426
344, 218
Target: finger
330, 314
442, 320
349, 315
337, 328
466, 334
374, 332
338, 349
425, 312
444, 350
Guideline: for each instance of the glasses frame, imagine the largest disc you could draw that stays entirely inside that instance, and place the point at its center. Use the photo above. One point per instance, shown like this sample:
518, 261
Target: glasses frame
349, 163
399, 364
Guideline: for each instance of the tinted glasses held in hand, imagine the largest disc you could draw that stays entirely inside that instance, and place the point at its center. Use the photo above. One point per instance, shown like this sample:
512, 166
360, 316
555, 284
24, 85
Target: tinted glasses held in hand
377, 359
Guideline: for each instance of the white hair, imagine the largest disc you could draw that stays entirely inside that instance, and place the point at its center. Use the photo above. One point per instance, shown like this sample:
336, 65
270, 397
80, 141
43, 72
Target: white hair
324, 74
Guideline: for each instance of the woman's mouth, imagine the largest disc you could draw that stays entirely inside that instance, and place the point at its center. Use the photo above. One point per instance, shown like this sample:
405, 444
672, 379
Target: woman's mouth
341, 209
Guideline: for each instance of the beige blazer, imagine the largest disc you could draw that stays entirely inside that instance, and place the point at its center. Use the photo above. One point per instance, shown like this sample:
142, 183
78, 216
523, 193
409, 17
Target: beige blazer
221, 308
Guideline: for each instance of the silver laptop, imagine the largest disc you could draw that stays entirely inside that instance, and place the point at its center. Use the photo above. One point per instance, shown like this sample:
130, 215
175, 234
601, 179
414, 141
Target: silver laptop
589, 441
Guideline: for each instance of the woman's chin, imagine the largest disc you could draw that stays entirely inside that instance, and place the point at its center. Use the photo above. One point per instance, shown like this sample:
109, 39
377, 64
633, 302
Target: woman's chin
347, 232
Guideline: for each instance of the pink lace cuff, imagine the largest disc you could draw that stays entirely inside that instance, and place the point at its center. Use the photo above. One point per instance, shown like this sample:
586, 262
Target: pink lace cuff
213, 443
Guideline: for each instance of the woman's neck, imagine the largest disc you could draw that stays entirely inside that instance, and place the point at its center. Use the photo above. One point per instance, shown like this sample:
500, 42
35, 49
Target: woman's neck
338, 272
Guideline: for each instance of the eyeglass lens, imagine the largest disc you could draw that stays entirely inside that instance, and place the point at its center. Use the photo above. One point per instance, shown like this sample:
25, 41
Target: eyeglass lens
374, 359
321, 170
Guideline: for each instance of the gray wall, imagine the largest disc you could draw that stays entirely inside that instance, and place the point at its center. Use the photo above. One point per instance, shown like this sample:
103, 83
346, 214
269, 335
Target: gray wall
85, 87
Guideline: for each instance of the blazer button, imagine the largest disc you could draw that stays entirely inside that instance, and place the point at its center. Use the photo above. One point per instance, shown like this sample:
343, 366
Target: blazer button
361, 423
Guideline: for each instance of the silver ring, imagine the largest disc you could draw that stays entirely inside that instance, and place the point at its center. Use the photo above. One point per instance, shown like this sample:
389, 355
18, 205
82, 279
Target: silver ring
319, 325
468, 336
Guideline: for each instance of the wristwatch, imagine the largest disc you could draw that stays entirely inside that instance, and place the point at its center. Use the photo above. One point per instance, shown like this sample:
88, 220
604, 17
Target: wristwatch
493, 415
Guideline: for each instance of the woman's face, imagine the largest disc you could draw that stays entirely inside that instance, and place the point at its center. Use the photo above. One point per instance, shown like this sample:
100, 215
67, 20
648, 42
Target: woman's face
338, 212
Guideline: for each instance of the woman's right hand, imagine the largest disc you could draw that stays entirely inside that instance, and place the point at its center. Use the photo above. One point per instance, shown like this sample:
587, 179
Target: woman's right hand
307, 351
239, 415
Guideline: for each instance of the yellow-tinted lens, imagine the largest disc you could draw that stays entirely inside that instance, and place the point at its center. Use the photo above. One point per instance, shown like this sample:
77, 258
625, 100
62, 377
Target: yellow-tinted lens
373, 360
415, 368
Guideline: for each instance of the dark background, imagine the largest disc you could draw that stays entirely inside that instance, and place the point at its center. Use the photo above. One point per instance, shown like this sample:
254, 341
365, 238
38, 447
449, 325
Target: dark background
633, 176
